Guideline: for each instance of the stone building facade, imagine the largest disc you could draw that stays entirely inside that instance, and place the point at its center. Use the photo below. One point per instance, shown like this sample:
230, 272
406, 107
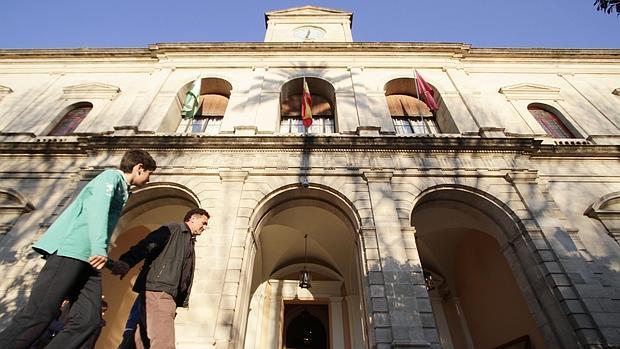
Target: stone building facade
493, 221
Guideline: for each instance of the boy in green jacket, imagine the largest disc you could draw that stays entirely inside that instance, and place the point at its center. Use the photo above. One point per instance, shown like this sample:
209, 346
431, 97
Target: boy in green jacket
75, 248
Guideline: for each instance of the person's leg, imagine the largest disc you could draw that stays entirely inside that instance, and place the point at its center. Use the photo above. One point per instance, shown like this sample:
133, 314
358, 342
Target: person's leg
53, 283
85, 313
141, 338
160, 313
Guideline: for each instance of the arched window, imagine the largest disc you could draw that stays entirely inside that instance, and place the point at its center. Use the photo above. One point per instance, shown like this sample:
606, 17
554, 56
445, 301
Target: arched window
323, 118
550, 122
12, 205
71, 119
410, 114
213, 100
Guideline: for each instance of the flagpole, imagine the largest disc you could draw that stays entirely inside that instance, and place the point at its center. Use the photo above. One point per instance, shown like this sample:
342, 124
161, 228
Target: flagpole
415, 77
303, 83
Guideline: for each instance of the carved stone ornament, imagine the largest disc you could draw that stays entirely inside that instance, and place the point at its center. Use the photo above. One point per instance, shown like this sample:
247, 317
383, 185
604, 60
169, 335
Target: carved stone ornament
607, 210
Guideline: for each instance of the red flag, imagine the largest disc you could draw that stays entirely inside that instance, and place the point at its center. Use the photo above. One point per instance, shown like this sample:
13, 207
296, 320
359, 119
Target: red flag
306, 106
426, 92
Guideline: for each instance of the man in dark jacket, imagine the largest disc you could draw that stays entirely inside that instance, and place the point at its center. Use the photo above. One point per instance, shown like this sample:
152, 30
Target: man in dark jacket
165, 280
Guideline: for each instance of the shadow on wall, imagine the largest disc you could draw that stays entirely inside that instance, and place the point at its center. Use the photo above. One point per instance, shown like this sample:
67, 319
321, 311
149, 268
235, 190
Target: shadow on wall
19, 280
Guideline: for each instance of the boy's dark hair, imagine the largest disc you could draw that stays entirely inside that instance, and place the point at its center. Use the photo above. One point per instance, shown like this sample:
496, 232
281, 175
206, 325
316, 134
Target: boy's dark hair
193, 211
133, 157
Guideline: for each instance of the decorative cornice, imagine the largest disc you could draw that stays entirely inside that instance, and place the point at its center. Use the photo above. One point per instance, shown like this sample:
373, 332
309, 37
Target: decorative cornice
522, 177
389, 144
307, 10
233, 175
380, 176
153, 51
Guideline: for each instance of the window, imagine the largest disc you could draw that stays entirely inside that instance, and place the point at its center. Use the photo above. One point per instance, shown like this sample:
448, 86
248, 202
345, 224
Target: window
320, 124
410, 115
323, 120
212, 104
607, 210
550, 122
12, 206
415, 125
201, 124
71, 120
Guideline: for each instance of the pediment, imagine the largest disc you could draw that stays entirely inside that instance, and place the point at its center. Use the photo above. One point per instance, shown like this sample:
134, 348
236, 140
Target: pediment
4, 90
530, 91
606, 204
307, 11
93, 90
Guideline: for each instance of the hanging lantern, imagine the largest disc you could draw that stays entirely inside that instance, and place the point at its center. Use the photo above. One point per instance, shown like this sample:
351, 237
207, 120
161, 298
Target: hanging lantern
305, 277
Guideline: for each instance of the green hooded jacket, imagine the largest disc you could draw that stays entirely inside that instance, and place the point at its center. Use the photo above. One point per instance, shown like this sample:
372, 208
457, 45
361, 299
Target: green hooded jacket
84, 228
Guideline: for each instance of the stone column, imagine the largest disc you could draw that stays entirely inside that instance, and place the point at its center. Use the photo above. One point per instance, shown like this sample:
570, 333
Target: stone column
397, 292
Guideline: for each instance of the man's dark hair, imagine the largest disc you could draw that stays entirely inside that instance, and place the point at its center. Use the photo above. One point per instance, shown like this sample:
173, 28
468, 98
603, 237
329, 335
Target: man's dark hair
193, 211
133, 157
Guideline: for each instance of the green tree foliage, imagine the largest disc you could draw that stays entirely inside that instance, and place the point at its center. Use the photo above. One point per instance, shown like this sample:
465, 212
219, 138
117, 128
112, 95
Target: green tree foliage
608, 6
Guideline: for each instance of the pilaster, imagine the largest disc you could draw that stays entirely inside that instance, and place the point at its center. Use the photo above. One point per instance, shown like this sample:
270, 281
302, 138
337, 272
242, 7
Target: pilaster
560, 258
396, 283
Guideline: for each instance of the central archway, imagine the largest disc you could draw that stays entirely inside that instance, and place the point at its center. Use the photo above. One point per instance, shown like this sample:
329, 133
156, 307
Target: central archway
280, 223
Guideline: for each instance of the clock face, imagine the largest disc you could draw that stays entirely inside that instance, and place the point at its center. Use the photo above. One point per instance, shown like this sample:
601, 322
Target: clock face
309, 33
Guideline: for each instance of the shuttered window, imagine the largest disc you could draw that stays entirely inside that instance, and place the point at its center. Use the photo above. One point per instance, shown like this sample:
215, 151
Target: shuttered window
404, 105
291, 106
322, 116
212, 105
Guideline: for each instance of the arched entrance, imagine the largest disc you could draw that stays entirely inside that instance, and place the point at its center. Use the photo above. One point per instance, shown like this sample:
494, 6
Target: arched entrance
281, 313
147, 209
463, 242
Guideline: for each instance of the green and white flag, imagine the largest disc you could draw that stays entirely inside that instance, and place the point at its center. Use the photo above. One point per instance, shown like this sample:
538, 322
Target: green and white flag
191, 104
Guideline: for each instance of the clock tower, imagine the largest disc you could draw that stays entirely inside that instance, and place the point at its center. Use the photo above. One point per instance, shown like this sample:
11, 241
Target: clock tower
308, 24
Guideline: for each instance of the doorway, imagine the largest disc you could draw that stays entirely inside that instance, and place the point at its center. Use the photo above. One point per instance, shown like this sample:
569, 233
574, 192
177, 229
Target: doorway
306, 326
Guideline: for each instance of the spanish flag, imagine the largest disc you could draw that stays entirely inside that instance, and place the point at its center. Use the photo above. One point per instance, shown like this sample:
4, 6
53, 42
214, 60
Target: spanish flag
306, 106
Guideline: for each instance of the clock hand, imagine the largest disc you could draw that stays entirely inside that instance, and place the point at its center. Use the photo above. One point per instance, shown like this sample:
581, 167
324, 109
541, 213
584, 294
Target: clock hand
307, 34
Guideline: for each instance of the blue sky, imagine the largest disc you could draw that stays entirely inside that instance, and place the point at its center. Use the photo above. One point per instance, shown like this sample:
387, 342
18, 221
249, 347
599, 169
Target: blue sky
138, 23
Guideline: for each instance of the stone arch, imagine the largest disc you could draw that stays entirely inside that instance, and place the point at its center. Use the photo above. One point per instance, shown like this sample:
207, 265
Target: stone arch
316, 191
148, 208
481, 214
276, 276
